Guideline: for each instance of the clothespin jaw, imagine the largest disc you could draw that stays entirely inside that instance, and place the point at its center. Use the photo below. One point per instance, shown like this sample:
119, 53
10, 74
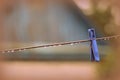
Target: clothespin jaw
93, 44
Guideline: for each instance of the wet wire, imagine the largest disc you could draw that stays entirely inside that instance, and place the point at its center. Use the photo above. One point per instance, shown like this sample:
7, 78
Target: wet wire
58, 44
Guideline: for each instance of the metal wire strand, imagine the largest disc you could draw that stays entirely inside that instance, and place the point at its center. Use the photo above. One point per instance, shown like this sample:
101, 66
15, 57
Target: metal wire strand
58, 44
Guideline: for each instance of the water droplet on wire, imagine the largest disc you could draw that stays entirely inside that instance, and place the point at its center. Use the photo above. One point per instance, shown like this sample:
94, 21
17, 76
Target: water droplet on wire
105, 39
59, 45
45, 47
19, 50
71, 44
12, 51
8, 51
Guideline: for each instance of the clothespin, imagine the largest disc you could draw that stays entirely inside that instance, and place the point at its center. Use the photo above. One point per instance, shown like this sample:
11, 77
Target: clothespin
93, 44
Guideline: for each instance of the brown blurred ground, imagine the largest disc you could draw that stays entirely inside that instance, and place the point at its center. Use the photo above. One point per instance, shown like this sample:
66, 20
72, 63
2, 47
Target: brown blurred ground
49, 71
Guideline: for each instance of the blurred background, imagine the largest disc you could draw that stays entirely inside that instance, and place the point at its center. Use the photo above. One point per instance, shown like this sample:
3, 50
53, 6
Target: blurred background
25, 23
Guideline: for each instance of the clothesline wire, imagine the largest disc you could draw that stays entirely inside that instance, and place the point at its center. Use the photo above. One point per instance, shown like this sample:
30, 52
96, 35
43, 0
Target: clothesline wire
58, 44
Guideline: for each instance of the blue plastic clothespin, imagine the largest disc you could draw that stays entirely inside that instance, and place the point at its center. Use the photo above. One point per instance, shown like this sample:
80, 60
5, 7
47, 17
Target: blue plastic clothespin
94, 48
